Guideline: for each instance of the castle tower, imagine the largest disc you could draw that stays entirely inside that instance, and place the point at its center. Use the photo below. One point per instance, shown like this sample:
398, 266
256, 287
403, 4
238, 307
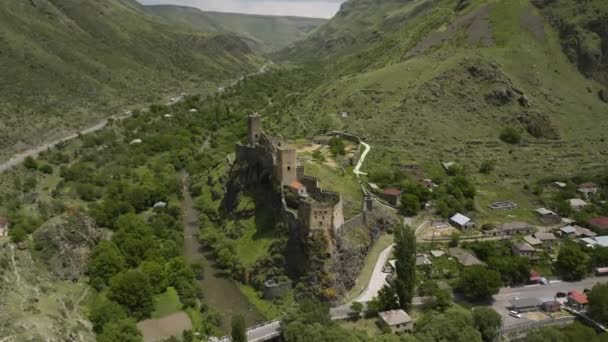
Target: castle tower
254, 128
287, 165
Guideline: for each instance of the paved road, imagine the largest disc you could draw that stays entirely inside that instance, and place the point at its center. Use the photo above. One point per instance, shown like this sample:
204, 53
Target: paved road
503, 298
35, 151
357, 169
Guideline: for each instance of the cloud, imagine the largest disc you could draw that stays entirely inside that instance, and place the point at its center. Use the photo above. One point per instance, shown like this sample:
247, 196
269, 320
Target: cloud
305, 8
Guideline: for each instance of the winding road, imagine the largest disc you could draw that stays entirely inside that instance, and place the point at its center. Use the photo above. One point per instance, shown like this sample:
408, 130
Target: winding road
35, 151
357, 169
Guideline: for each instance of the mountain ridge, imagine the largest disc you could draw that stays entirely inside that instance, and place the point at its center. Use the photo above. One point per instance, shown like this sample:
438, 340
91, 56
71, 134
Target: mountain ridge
77, 62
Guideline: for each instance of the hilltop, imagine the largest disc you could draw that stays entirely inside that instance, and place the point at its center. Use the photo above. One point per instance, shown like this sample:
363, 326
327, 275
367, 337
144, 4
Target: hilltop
264, 33
433, 80
66, 64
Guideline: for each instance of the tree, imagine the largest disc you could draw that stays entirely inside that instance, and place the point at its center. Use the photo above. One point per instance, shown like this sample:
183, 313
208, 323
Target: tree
336, 146
156, 273
510, 135
30, 163
410, 204
238, 331
454, 325
123, 330
487, 322
132, 290
104, 311
105, 262
598, 302
405, 252
356, 310
479, 283
181, 277
572, 262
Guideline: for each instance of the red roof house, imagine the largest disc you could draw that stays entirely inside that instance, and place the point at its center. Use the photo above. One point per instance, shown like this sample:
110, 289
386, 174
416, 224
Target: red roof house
535, 277
599, 222
577, 299
392, 195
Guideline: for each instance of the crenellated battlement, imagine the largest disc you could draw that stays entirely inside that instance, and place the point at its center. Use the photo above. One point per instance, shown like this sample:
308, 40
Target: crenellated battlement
318, 210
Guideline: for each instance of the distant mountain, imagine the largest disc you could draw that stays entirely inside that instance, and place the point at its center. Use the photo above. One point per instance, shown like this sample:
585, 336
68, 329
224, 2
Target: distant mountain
65, 63
440, 79
269, 33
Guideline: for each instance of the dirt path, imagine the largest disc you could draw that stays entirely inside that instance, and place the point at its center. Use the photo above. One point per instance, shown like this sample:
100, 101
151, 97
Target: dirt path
15, 264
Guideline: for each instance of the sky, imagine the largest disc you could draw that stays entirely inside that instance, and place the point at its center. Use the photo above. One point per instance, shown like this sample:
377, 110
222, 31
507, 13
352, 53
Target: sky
302, 8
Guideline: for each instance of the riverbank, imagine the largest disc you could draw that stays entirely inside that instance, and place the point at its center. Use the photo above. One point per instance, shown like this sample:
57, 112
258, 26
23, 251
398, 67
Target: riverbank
221, 293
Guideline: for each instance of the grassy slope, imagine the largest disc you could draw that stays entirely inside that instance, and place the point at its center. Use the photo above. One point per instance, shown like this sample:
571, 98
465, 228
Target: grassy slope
64, 62
418, 102
270, 33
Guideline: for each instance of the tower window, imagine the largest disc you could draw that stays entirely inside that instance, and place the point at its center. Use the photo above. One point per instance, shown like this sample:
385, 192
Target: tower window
289, 168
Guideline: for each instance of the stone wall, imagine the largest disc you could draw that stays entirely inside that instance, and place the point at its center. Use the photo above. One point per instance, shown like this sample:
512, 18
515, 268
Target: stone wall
274, 288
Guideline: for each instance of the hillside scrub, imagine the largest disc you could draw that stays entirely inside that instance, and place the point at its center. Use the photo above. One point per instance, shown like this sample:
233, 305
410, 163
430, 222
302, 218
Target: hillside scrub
510, 135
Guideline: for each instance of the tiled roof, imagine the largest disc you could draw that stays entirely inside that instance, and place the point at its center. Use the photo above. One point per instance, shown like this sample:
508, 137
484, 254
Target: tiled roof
392, 192
394, 317
296, 185
601, 222
578, 297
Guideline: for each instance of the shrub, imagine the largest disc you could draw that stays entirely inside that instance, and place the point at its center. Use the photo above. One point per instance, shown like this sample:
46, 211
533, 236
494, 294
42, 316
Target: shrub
510, 135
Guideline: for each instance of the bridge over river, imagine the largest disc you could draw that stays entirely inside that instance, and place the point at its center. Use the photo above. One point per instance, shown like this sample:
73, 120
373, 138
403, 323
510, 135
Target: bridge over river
260, 333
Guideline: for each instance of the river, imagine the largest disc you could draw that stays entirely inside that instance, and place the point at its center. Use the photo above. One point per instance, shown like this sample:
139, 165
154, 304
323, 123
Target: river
221, 293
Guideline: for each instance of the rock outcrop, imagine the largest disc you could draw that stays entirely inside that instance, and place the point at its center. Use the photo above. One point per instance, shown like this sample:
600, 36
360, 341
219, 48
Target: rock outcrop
64, 244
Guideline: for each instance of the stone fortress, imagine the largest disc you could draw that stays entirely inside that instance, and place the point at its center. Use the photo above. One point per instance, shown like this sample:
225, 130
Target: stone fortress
307, 209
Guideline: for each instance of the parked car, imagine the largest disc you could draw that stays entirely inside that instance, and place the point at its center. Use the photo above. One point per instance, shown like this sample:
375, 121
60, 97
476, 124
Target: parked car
514, 314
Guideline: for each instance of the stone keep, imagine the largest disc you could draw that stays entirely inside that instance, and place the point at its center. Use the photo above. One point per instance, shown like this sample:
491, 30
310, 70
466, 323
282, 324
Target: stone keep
254, 129
287, 164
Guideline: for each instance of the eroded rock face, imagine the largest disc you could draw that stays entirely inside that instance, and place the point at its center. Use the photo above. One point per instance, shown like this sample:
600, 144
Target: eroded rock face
604, 95
64, 244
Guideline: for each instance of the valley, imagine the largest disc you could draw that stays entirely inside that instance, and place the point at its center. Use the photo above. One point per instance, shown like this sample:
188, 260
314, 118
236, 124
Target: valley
419, 170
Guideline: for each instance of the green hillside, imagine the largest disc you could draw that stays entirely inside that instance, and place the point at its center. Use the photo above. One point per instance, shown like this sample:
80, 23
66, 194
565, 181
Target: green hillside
438, 80
267, 33
67, 63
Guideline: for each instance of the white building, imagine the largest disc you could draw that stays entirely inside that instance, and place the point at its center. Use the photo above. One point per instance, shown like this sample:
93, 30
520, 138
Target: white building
462, 222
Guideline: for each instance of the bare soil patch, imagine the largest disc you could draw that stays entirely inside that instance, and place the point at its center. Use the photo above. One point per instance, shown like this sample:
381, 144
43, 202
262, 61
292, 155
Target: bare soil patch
534, 24
156, 330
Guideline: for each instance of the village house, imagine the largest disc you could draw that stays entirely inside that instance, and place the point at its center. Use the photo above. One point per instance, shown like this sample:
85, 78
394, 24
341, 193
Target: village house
547, 216
601, 241
548, 239
523, 249
525, 304
464, 258
551, 306
392, 196
532, 241
426, 183
588, 189
599, 222
462, 222
3, 226
577, 300
560, 185
398, 321
577, 203
567, 231
516, 228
